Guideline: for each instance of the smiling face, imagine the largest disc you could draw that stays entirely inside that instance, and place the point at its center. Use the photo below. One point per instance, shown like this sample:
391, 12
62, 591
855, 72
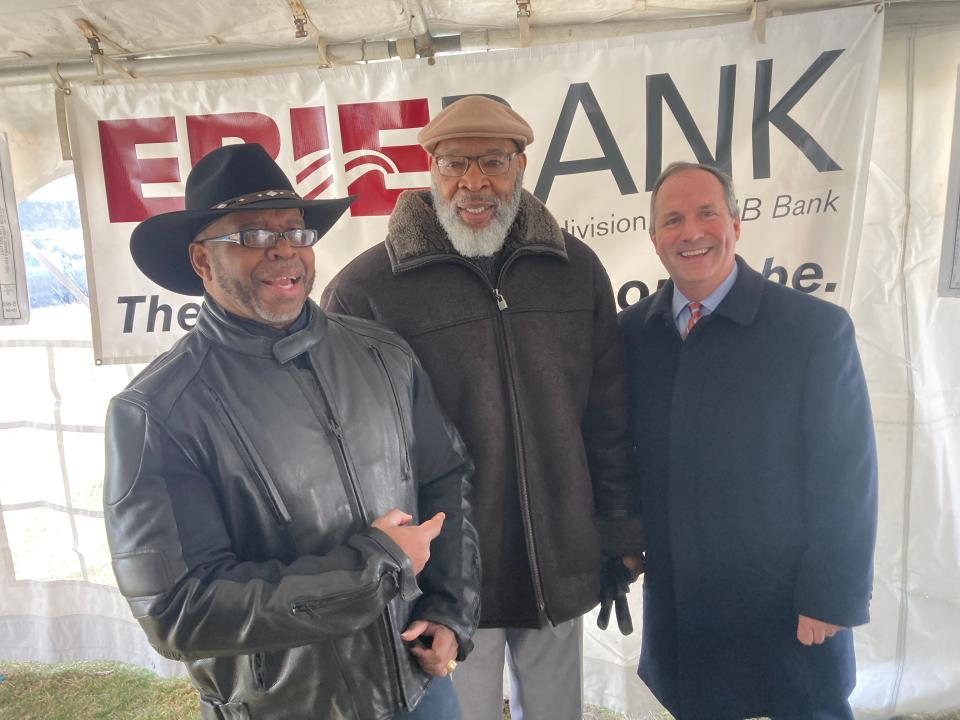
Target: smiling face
477, 196
268, 285
694, 233
477, 210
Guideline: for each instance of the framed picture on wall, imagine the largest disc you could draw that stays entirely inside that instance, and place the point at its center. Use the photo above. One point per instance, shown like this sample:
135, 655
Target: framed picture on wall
14, 307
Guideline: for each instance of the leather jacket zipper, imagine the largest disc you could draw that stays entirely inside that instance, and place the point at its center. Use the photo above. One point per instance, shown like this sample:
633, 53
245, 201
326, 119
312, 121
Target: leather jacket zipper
400, 652
259, 674
324, 413
316, 605
388, 625
333, 427
405, 469
252, 461
327, 417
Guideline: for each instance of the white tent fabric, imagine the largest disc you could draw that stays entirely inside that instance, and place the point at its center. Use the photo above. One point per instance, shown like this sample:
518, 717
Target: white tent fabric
53, 402
908, 339
48, 30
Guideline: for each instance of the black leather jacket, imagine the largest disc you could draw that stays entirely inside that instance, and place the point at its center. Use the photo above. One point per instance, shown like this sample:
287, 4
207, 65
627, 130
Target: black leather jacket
242, 477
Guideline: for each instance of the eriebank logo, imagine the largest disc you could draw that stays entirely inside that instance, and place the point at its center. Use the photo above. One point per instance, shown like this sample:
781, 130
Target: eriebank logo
360, 124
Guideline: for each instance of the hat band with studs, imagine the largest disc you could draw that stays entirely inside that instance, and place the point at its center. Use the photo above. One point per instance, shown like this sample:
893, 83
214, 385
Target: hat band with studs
256, 197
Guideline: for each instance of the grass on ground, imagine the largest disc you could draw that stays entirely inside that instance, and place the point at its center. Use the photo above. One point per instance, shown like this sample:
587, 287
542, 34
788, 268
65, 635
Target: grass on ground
92, 691
115, 691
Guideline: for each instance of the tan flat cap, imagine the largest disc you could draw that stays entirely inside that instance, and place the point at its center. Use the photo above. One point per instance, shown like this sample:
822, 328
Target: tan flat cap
475, 116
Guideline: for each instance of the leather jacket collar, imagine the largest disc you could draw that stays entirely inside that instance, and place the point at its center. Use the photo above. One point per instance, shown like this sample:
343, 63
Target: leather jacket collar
220, 327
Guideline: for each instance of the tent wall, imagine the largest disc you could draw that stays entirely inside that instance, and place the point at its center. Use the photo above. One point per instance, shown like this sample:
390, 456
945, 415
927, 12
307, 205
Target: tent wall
28, 117
908, 337
909, 340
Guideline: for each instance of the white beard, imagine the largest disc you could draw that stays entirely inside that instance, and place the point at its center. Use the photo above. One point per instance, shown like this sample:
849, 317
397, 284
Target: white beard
485, 241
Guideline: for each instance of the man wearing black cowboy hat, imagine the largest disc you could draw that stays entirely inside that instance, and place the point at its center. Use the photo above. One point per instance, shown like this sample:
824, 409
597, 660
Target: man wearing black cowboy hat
265, 476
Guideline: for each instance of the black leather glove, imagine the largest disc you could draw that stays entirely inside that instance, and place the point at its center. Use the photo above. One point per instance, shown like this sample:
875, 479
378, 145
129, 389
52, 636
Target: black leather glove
615, 581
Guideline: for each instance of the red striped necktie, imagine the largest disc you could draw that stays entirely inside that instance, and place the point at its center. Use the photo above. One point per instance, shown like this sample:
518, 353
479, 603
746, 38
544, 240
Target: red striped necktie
694, 317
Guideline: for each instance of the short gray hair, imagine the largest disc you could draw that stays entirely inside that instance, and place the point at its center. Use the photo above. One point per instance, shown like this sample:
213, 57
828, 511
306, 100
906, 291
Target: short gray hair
673, 168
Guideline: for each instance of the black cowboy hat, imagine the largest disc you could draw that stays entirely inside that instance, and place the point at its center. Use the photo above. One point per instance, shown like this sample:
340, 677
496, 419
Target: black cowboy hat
228, 179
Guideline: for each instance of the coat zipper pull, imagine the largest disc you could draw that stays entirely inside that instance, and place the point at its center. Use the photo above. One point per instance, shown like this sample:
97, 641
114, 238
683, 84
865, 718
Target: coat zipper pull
335, 428
501, 302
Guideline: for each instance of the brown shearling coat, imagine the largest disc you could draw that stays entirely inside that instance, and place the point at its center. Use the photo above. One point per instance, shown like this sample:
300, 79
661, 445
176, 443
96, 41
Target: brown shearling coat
535, 384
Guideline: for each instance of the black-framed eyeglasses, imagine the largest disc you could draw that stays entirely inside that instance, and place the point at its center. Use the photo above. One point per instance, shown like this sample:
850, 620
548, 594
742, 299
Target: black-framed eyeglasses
458, 165
262, 239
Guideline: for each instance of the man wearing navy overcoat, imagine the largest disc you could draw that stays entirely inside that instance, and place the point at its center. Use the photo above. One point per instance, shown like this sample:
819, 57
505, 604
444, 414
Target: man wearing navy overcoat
753, 433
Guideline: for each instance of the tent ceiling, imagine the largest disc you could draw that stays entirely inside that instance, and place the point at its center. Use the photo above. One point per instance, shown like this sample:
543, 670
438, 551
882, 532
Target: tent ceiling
40, 32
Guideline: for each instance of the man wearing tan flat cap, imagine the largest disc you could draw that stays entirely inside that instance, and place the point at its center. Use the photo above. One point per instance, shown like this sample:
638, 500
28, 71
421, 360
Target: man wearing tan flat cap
514, 321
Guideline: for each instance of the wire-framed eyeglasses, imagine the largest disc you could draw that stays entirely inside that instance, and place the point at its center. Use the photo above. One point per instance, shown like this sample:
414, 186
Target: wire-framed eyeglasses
262, 239
458, 165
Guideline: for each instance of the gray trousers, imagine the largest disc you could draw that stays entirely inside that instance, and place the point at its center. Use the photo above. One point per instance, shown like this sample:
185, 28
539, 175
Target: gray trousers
544, 667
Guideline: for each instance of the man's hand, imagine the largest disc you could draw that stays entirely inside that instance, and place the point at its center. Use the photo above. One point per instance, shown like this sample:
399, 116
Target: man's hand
635, 564
435, 658
811, 631
414, 540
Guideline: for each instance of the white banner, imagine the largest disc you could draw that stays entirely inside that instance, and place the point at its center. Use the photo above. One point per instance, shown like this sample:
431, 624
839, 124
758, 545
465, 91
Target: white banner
791, 119
14, 305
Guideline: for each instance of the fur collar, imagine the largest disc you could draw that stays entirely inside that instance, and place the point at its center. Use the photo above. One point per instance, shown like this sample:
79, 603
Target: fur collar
415, 232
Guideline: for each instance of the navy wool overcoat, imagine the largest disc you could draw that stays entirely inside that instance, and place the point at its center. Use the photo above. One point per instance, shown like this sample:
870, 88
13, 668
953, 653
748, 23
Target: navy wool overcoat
759, 490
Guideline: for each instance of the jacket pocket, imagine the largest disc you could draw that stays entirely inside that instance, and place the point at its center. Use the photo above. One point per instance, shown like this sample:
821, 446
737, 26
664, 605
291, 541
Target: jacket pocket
251, 459
261, 668
405, 470
317, 607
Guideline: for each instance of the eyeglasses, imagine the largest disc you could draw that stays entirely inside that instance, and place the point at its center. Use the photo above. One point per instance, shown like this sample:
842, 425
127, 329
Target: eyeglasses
458, 165
262, 239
